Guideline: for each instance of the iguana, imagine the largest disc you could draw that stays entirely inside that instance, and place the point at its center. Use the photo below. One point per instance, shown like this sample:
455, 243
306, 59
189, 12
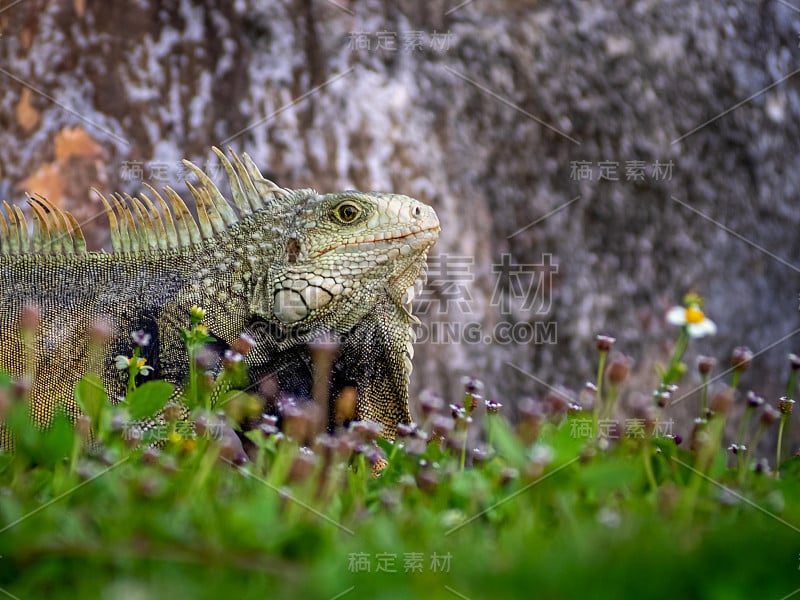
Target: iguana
284, 264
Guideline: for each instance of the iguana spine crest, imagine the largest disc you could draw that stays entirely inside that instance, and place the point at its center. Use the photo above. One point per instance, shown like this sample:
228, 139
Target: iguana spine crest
137, 226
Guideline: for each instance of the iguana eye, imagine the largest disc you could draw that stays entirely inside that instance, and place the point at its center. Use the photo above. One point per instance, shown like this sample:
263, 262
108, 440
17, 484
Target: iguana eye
347, 212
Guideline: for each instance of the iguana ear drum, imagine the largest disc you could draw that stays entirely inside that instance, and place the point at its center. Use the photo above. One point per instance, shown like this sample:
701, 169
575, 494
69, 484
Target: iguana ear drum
296, 299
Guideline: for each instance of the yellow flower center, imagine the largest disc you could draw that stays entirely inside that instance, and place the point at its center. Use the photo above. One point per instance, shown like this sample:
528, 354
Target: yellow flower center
694, 315
140, 362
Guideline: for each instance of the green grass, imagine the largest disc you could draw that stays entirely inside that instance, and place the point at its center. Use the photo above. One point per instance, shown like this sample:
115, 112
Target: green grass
538, 512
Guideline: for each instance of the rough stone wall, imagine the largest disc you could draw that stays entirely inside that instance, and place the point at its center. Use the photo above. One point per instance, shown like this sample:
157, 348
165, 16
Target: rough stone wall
481, 109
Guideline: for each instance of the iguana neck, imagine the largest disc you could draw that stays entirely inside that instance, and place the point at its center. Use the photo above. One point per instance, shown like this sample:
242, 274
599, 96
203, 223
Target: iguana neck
222, 272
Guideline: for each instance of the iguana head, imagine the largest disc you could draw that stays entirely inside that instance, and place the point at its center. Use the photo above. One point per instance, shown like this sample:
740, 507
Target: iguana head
344, 249
316, 257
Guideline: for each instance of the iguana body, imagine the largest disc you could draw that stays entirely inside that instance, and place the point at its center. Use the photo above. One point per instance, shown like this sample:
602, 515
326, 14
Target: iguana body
284, 264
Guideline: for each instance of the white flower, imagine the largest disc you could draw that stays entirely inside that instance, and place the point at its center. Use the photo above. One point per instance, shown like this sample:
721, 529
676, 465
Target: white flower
143, 368
693, 318
123, 363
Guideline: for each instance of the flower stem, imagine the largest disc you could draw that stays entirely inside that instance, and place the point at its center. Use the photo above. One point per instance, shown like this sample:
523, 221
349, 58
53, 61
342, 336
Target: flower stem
674, 372
704, 396
745, 421
599, 395
613, 394
648, 466
750, 450
780, 443
791, 385
705, 458
133, 369
735, 377
464, 447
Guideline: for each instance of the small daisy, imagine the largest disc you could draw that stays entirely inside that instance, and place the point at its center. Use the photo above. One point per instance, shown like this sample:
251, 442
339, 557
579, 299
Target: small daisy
124, 363
143, 368
693, 318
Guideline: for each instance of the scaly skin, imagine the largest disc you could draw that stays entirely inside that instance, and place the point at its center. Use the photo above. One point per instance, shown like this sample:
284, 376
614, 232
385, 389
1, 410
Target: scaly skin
286, 266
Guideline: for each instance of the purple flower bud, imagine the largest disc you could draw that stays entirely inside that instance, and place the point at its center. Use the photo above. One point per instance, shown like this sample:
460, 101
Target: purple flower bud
141, 338
472, 385
785, 406
705, 364
605, 342
493, 407
770, 415
741, 358
753, 399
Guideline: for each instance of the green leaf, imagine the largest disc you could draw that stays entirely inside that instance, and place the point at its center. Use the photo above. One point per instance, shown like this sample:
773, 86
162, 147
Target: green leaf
508, 445
91, 397
149, 398
611, 475
55, 442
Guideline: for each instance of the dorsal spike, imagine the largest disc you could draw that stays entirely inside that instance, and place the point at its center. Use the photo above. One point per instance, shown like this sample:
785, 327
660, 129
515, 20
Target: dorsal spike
203, 219
169, 225
233, 181
250, 165
264, 187
218, 223
247, 184
127, 228
38, 226
51, 240
144, 224
158, 225
4, 234
13, 229
183, 218
41, 227
180, 225
22, 228
60, 235
213, 196
139, 237
116, 241
76, 233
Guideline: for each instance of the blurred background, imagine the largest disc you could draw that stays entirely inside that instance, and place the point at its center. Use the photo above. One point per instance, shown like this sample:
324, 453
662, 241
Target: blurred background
590, 161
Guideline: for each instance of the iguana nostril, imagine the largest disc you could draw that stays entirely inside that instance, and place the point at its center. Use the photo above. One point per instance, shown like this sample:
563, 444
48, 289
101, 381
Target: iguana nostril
417, 211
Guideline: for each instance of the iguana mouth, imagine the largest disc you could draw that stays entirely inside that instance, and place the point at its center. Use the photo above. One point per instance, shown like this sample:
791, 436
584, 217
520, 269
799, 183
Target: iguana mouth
420, 232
